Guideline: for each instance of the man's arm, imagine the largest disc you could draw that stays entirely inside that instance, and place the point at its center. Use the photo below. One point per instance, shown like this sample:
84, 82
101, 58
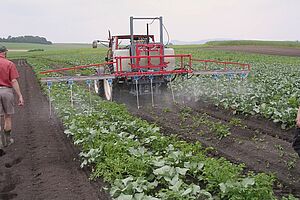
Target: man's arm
16, 87
298, 118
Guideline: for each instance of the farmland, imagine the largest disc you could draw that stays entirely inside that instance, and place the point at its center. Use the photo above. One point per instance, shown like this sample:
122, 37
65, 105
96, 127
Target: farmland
271, 90
184, 160
292, 44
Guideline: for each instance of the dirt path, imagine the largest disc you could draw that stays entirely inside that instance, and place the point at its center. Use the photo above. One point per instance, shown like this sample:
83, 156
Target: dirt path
283, 51
258, 143
42, 164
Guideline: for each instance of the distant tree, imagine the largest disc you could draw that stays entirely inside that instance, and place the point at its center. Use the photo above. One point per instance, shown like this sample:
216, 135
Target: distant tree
26, 39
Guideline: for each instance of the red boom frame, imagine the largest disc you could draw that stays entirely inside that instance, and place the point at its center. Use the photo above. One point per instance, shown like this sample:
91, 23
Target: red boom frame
183, 69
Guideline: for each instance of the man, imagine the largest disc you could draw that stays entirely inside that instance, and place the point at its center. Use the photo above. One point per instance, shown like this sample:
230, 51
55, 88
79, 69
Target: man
8, 82
296, 143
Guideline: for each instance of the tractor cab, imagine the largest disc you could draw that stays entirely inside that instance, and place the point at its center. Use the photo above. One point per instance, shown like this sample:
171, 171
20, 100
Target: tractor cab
123, 41
142, 54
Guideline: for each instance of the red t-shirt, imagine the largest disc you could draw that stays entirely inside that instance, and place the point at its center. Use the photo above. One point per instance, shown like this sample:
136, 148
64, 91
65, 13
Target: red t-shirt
8, 72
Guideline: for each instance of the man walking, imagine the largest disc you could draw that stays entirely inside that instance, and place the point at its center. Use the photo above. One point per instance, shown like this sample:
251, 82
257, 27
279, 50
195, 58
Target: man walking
8, 82
296, 143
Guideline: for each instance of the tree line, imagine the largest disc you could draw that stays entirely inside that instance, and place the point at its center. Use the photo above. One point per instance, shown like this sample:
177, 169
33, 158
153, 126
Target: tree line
26, 39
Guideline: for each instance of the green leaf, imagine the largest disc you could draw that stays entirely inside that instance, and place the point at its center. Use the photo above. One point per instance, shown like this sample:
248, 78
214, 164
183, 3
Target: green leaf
139, 196
248, 181
125, 197
127, 180
176, 187
159, 163
181, 171
187, 191
222, 187
68, 132
206, 194
163, 170
151, 198
114, 191
200, 166
174, 180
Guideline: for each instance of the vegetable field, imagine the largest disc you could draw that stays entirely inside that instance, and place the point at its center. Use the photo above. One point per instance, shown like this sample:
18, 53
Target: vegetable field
144, 159
271, 90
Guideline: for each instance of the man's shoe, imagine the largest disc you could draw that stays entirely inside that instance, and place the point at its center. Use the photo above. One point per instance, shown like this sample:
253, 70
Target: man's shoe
8, 140
2, 140
2, 152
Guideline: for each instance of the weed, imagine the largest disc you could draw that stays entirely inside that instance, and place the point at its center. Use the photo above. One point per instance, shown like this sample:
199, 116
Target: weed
166, 110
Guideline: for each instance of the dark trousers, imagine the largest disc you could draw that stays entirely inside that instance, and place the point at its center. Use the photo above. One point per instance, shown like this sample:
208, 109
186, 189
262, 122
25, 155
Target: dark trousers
296, 143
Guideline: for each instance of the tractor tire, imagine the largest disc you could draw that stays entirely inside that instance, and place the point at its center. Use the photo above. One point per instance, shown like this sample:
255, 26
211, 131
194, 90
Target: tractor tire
98, 86
104, 89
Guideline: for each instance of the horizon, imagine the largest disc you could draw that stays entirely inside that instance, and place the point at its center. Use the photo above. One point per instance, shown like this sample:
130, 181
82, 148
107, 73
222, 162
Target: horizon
190, 42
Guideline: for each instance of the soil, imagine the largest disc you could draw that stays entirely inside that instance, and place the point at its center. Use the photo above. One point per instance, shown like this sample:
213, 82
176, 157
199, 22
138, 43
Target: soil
257, 142
283, 51
42, 163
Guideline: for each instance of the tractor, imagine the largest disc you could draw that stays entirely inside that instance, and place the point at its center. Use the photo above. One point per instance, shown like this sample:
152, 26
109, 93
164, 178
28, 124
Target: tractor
142, 66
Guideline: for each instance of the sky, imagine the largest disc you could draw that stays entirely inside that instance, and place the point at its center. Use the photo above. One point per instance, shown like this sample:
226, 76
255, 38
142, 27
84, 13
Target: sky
82, 21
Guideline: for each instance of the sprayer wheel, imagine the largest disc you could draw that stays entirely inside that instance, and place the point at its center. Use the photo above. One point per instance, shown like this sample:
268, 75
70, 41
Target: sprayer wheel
104, 89
108, 90
98, 86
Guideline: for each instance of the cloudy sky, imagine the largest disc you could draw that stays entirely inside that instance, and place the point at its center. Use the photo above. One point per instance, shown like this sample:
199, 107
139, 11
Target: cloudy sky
186, 20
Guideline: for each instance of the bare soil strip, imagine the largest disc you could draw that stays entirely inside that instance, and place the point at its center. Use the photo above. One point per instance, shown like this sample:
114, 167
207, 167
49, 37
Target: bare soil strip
282, 51
42, 163
258, 143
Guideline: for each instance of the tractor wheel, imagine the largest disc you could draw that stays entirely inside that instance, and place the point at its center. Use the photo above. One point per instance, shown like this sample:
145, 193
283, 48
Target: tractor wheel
108, 90
104, 89
98, 86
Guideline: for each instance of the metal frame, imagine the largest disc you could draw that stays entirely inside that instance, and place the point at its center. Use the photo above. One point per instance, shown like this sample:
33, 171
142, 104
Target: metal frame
133, 46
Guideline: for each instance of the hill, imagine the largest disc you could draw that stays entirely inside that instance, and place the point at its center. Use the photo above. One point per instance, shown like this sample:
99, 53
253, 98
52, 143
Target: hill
26, 39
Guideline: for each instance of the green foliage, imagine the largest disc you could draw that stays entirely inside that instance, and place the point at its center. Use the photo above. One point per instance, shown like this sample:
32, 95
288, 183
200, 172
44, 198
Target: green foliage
218, 128
236, 122
290, 197
272, 89
294, 44
33, 50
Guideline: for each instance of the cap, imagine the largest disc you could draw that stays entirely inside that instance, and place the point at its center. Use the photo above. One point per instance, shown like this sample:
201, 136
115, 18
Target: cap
3, 49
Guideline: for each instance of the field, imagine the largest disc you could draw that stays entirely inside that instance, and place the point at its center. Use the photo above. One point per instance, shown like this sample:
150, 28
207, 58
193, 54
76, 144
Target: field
284, 48
293, 44
224, 138
28, 46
